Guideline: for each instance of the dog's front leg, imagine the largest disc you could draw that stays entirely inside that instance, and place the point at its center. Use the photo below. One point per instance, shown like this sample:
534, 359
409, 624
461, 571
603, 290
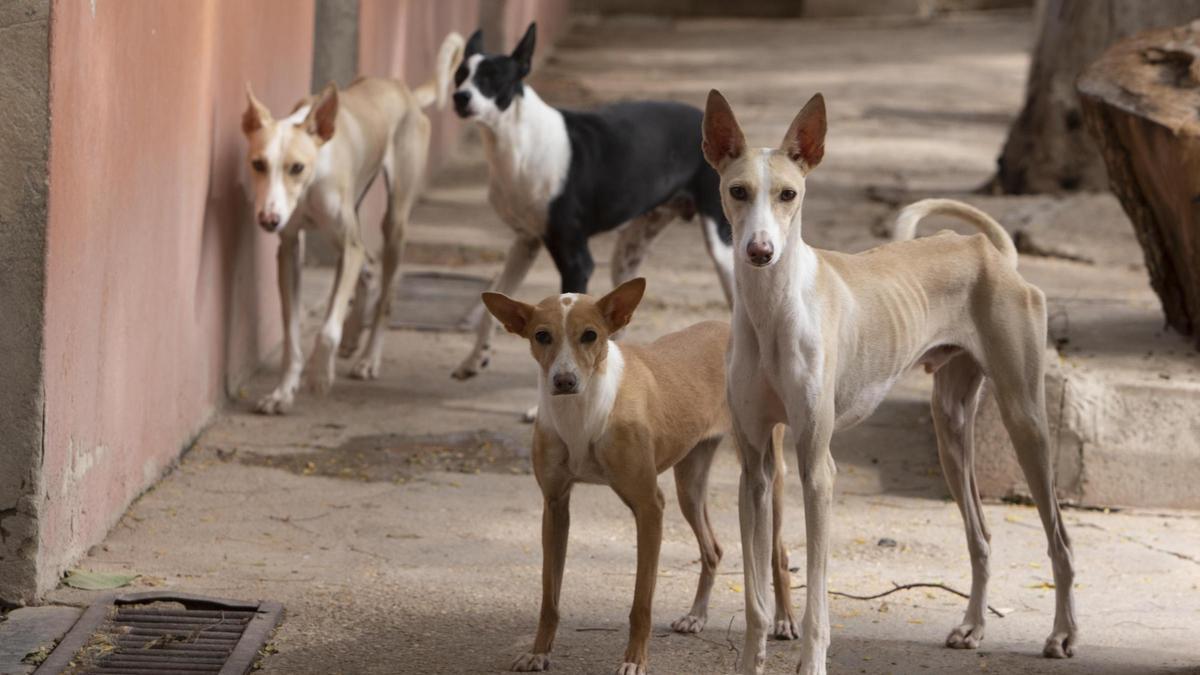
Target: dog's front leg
646, 501
556, 523
813, 429
520, 258
322, 361
289, 260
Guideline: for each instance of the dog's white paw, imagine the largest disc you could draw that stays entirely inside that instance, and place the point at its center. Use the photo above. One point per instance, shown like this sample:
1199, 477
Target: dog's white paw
471, 366
1060, 645
366, 369
965, 636
811, 667
529, 416
530, 663
628, 668
786, 629
276, 402
689, 624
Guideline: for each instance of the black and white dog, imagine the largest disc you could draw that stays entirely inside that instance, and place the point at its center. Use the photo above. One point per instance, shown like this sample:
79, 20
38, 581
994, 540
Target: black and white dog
557, 177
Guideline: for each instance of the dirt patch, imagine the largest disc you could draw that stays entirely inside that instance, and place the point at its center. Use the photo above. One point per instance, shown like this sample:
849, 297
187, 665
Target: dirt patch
397, 458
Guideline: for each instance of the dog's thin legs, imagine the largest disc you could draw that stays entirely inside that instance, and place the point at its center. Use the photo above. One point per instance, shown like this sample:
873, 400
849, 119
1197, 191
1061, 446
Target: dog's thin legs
556, 524
813, 430
955, 399
402, 170
721, 254
691, 484
786, 626
633, 242
289, 259
520, 258
754, 513
322, 362
569, 249
1016, 367
366, 294
646, 501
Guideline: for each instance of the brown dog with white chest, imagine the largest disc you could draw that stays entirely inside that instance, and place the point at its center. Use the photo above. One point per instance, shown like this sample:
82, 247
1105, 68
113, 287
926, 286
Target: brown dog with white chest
619, 416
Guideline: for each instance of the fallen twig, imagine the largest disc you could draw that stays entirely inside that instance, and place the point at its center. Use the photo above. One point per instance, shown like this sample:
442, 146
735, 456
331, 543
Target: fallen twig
905, 587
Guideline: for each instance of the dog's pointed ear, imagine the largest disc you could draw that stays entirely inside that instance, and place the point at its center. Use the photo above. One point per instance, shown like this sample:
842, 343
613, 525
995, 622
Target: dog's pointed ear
523, 54
256, 116
474, 44
513, 314
723, 138
617, 307
804, 141
322, 116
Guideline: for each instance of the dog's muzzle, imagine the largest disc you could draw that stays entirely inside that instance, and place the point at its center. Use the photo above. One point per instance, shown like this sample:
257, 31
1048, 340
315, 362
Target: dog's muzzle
269, 221
462, 103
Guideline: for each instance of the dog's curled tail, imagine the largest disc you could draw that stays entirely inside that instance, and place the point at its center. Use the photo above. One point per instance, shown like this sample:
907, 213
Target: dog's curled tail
906, 222
437, 89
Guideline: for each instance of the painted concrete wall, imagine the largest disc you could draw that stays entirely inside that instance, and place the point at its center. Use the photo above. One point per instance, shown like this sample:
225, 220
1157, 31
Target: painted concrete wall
159, 291
24, 144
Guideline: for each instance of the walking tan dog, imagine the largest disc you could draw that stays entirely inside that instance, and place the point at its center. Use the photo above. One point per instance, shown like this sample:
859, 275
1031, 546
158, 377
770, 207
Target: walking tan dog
819, 337
619, 416
311, 170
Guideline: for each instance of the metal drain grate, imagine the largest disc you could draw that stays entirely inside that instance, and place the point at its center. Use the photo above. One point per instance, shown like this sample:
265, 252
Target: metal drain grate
436, 301
164, 633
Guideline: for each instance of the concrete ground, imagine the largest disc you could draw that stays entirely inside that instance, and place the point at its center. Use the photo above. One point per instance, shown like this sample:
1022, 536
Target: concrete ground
392, 556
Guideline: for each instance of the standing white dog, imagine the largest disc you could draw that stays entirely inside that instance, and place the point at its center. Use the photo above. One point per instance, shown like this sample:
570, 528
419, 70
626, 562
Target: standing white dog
819, 337
311, 169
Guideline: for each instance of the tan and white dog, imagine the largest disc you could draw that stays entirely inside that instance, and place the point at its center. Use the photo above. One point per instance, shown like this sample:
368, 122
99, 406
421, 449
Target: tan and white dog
819, 337
619, 416
310, 171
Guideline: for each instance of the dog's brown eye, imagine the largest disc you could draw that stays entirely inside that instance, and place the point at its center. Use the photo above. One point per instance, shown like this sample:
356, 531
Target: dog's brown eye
738, 192
259, 166
543, 337
787, 195
296, 169
588, 336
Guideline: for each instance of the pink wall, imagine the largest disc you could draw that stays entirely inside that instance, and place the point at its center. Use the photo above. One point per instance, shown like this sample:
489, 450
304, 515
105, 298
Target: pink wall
159, 291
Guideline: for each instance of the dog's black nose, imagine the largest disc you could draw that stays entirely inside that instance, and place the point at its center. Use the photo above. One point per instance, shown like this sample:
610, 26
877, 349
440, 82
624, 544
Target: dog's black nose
268, 221
461, 100
565, 383
760, 251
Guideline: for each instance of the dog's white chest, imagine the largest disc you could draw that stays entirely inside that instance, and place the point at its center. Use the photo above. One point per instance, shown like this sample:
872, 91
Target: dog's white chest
529, 157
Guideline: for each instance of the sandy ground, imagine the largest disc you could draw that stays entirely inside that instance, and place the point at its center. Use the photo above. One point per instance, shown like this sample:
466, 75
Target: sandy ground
391, 557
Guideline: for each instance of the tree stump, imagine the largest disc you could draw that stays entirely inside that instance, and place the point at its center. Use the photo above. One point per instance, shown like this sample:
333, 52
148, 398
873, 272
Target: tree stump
1141, 103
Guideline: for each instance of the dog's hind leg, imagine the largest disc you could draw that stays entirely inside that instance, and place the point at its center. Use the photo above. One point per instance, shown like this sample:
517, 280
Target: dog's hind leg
786, 626
633, 242
366, 294
691, 484
403, 167
1014, 353
520, 258
956, 388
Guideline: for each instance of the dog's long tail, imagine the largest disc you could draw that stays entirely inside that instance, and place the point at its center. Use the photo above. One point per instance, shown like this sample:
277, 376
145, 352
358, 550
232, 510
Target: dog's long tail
437, 89
906, 222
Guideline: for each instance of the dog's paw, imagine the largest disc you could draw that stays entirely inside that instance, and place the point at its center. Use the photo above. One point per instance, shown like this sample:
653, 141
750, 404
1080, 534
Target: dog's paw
366, 369
1060, 645
689, 624
530, 663
965, 636
275, 403
786, 629
628, 668
471, 367
529, 416
347, 349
